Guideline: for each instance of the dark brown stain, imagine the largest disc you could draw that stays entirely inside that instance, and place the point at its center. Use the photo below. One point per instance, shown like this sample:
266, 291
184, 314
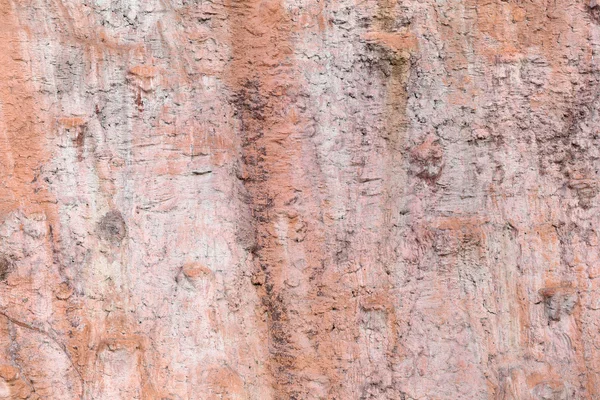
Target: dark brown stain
112, 227
6, 265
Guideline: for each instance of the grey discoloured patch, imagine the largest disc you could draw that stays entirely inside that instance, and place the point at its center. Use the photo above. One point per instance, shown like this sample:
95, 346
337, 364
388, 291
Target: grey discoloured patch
585, 190
559, 301
112, 227
551, 390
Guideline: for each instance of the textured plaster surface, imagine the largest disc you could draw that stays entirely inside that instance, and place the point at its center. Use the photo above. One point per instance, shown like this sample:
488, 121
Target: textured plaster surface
299, 199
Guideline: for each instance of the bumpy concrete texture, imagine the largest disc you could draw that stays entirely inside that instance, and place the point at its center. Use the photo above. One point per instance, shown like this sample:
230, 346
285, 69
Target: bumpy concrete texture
299, 199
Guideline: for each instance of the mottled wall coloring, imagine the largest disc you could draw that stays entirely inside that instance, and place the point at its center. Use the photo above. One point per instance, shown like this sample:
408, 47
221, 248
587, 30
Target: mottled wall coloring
299, 199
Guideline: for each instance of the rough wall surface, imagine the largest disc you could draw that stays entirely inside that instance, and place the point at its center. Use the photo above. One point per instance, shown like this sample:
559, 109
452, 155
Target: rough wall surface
299, 199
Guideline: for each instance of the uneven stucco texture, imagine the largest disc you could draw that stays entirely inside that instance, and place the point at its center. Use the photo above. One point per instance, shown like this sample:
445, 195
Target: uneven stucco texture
300, 199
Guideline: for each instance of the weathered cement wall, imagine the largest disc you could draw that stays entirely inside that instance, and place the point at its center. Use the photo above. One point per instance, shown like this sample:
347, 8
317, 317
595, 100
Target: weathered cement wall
299, 199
